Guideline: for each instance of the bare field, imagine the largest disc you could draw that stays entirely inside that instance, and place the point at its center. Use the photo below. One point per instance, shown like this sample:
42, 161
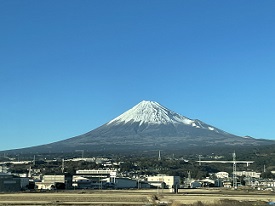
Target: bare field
74, 198
211, 197
131, 197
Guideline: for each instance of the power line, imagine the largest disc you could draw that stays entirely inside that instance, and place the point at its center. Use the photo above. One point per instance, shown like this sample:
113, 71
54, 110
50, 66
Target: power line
234, 162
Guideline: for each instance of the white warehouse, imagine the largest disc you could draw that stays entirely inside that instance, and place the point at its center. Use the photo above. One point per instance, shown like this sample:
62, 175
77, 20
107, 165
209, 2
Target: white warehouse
159, 180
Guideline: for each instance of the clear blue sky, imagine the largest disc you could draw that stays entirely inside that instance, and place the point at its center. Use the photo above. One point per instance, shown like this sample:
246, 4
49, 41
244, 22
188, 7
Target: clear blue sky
69, 66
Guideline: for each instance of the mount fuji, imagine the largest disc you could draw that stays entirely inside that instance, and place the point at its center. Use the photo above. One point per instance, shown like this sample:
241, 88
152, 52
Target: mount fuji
149, 126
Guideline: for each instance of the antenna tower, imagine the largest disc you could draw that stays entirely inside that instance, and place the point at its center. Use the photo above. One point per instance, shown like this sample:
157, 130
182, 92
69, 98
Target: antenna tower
234, 162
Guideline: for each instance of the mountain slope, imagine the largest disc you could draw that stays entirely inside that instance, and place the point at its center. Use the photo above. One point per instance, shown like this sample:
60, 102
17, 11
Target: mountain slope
148, 126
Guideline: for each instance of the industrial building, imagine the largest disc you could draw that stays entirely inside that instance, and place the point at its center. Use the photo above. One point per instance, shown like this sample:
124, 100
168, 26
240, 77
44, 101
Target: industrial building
222, 175
11, 183
121, 183
97, 177
50, 182
96, 173
248, 174
164, 181
81, 182
103, 179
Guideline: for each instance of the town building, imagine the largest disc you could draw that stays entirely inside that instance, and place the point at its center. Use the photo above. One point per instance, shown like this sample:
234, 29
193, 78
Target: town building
164, 181
121, 183
97, 177
96, 173
11, 183
248, 174
50, 182
222, 175
195, 184
81, 182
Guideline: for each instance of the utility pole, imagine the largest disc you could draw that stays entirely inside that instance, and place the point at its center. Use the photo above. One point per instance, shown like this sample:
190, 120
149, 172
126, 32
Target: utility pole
188, 180
62, 166
159, 158
30, 171
235, 186
234, 162
200, 160
33, 160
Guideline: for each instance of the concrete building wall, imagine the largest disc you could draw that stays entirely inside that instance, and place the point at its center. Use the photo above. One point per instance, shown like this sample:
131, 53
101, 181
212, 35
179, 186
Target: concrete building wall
124, 183
24, 182
54, 178
195, 184
81, 182
170, 181
248, 174
44, 186
222, 175
95, 172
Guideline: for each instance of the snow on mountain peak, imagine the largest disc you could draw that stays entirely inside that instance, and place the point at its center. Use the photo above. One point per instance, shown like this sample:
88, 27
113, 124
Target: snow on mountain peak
152, 113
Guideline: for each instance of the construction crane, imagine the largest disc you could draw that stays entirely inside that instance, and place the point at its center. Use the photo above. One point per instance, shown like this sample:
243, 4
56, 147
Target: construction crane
234, 162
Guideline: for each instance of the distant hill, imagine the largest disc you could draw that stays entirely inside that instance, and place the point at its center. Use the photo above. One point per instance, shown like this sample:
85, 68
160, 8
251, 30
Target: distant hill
148, 126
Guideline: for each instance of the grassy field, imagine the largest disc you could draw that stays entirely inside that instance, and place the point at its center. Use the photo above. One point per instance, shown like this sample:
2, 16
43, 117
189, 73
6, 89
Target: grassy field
140, 197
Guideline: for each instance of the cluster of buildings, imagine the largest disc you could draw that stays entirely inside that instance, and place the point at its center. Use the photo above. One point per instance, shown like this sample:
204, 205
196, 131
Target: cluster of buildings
85, 179
249, 179
105, 179
82, 179
113, 179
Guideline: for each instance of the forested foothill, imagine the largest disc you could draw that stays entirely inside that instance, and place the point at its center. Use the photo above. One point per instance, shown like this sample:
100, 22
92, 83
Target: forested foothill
178, 162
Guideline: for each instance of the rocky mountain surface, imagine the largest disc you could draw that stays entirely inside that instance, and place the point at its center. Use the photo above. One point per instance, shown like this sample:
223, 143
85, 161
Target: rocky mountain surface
149, 126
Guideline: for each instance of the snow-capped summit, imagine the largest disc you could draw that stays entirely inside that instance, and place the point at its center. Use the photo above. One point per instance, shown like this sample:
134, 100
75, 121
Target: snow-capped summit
152, 113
